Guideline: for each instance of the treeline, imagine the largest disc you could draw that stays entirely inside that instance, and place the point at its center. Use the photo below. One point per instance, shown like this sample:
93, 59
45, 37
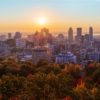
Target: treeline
44, 81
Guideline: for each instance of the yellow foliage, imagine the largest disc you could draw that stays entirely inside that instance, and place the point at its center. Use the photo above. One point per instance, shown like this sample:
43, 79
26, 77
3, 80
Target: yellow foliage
94, 90
80, 87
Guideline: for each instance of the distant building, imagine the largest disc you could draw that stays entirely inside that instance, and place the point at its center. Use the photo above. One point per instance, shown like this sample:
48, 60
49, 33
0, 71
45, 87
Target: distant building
2, 45
20, 43
24, 58
3, 38
45, 31
60, 38
18, 35
86, 41
9, 36
94, 56
70, 35
25, 55
49, 38
63, 58
41, 53
30, 38
91, 33
4, 49
60, 42
79, 32
79, 35
39, 39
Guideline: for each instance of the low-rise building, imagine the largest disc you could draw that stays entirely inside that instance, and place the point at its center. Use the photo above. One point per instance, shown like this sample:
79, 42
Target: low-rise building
20, 43
41, 53
63, 58
95, 56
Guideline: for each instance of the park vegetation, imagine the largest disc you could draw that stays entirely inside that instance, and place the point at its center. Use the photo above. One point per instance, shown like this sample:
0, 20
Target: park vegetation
48, 81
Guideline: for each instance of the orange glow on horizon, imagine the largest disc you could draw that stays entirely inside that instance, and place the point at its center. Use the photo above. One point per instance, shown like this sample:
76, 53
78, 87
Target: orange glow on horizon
53, 27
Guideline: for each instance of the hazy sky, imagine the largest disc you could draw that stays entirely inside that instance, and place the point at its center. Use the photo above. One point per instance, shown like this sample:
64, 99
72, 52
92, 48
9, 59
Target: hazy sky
22, 15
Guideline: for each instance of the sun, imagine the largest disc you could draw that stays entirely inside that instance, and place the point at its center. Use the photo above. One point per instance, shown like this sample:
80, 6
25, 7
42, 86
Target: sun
42, 21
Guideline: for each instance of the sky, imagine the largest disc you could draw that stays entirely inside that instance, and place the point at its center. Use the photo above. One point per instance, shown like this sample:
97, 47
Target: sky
23, 15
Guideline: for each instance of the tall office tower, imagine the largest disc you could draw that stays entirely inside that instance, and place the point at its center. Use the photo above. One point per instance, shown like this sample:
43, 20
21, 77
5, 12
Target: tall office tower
70, 35
91, 33
79, 35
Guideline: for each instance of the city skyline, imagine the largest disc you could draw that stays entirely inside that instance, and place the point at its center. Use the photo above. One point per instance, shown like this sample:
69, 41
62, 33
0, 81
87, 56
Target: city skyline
24, 15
